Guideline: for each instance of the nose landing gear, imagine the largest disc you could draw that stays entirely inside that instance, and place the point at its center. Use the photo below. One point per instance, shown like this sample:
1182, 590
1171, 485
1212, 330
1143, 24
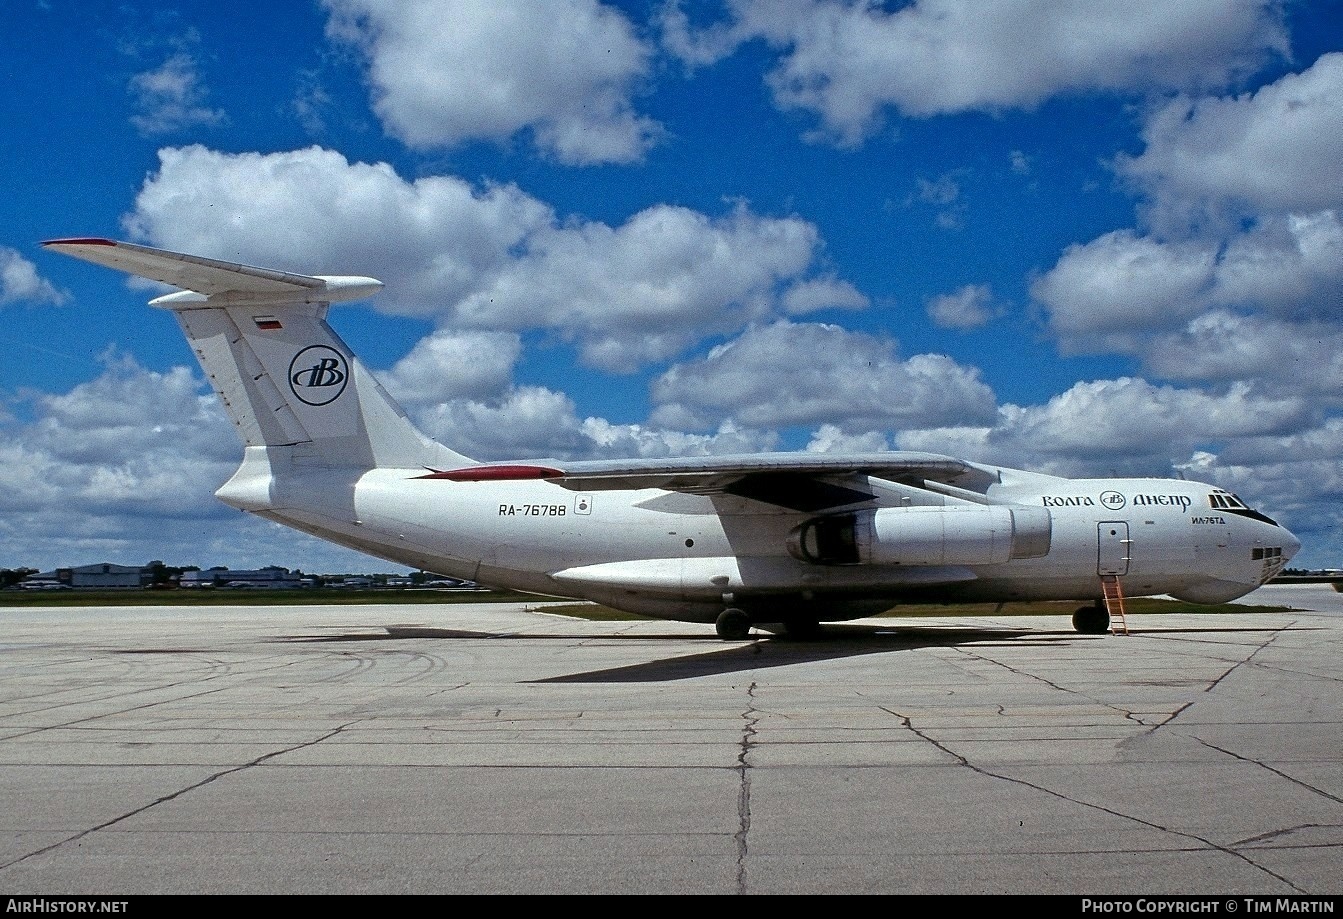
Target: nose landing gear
1092, 620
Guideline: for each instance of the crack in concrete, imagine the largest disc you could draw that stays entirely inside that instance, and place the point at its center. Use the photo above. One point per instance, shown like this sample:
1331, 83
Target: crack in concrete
908, 723
1128, 715
120, 711
176, 794
1251, 662
1207, 843
750, 719
1267, 768
1287, 831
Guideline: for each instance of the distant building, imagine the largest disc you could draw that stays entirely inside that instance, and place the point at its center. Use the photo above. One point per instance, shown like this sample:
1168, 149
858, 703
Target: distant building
271, 578
102, 575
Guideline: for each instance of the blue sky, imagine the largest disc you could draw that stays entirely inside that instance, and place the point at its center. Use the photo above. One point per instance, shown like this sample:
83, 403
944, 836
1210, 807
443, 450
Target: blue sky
1081, 238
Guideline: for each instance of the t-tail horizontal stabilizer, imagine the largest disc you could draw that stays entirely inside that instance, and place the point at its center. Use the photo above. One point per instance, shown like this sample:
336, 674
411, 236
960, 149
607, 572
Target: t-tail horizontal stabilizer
283, 375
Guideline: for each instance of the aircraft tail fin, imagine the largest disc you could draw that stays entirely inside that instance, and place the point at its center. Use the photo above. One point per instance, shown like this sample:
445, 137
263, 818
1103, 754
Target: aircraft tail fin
283, 375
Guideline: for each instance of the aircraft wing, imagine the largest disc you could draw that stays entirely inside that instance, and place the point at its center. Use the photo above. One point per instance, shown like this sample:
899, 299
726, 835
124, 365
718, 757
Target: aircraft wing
806, 482
678, 473
189, 272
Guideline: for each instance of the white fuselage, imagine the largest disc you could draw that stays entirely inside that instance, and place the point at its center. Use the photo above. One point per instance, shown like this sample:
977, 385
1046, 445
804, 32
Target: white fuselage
683, 556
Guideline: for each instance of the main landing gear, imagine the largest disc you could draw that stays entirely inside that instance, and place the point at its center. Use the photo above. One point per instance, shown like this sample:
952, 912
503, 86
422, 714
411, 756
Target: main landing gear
733, 624
1092, 620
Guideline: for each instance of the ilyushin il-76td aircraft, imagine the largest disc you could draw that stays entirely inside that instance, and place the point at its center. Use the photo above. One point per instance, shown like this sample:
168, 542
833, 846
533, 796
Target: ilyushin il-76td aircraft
779, 541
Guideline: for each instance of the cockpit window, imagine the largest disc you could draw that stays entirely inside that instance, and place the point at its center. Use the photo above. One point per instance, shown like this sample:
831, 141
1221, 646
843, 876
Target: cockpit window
1226, 501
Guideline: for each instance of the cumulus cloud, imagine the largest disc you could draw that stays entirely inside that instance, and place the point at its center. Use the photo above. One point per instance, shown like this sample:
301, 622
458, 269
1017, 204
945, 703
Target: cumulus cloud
944, 194
1237, 272
492, 257
311, 104
563, 70
646, 442
1220, 346
850, 60
129, 428
451, 364
1126, 426
525, 421
1290, 266
645, 290
20, 282
115, 462
820, 294
1274, 151
971, 307
171, 97
1144, 295
695, 45
313, 211
536, 422
787, 374
1122, 285
830, 438
122, 469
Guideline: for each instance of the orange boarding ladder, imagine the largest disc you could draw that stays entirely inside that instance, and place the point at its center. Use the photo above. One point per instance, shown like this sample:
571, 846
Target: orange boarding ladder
1114, 603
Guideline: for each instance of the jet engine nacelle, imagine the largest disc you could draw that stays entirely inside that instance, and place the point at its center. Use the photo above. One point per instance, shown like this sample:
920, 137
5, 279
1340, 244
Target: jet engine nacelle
941, 535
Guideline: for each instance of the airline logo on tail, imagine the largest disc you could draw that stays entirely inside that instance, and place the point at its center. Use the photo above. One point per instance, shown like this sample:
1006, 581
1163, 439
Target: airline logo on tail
318, 374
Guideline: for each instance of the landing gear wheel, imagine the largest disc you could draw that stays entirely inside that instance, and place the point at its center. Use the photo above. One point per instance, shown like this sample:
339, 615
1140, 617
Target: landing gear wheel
733, 624
1092, 620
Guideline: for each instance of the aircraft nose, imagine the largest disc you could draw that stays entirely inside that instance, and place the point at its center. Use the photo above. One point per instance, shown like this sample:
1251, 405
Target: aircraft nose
1290, 545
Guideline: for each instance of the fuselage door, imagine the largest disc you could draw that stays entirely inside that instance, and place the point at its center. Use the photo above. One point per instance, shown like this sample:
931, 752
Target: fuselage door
1112, 547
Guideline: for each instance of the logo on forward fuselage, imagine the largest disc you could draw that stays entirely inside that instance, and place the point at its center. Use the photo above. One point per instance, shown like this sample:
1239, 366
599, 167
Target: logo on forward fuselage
318, 374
